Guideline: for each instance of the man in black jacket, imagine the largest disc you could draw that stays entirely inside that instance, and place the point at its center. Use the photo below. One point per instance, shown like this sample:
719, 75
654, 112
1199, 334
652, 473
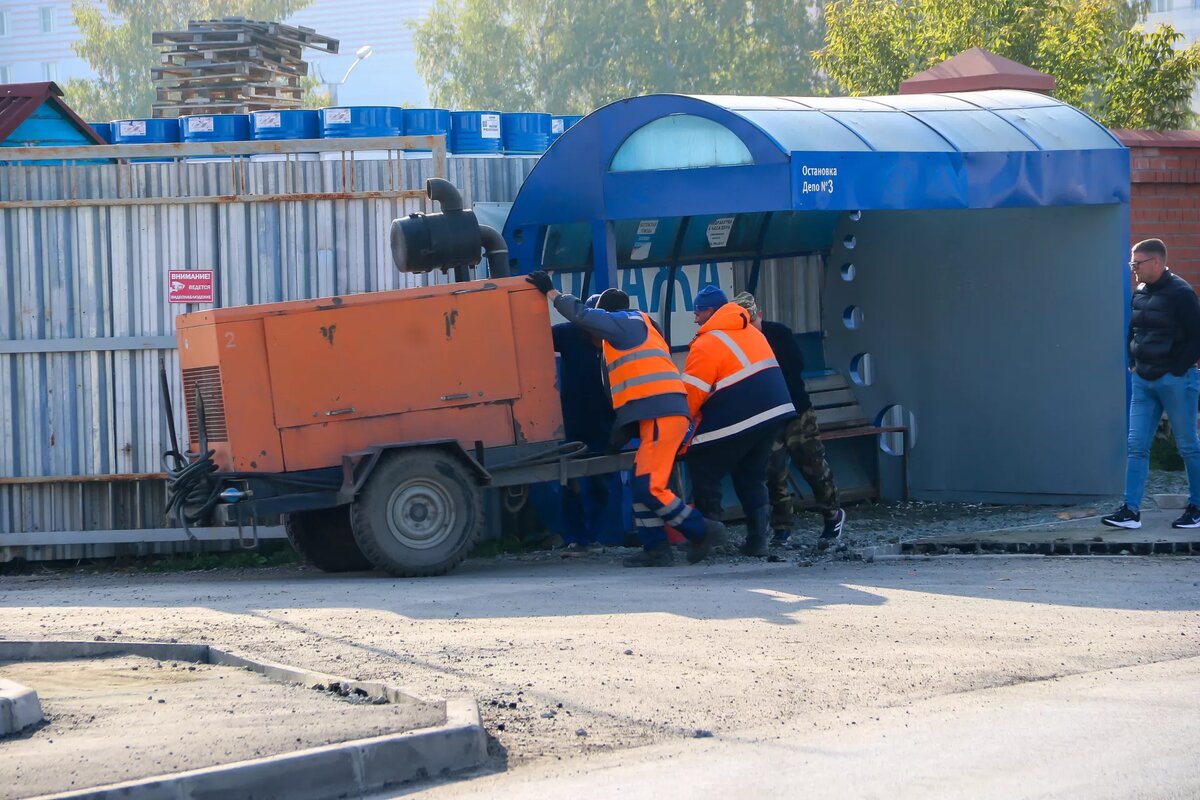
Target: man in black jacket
1163, 347
800, 438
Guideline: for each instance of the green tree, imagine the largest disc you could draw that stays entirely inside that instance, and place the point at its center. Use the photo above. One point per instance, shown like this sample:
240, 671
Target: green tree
1101, 60
571, 56
116, 42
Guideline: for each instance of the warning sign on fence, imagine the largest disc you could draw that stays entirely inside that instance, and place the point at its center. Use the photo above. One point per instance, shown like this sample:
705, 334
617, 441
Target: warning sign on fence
188, 286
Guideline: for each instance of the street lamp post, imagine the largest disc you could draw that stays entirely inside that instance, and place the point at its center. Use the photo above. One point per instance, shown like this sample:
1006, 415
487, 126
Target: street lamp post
362, 54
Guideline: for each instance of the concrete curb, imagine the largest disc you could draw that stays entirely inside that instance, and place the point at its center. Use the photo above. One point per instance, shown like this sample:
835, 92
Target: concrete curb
1044, 548
349, 768
19, 707
869, 554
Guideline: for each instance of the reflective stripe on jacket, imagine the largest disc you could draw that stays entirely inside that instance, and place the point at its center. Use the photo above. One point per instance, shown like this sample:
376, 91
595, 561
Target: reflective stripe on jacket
733, 381
643, 380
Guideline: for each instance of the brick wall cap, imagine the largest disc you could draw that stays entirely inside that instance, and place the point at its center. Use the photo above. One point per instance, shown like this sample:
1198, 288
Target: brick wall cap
1146, 138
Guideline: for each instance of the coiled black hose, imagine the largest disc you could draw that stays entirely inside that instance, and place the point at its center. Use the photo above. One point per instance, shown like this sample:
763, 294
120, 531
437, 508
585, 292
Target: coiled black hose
192, 493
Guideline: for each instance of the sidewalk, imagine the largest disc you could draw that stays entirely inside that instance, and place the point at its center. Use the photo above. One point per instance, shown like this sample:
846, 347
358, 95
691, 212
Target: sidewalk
1082, 536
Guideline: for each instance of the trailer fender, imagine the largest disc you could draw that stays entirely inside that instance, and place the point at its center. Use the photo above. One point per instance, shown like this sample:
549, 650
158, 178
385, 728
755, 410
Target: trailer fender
357, 467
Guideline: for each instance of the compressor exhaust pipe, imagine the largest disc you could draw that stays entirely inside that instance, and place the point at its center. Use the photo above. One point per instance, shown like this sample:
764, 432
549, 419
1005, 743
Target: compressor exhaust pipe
496, 250
444, 193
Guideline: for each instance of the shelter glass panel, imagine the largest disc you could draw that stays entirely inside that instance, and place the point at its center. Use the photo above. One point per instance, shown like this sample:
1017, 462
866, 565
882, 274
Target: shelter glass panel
976, 131
680, 141
568, 247
721, 237
647, 240
893, 131
799, 232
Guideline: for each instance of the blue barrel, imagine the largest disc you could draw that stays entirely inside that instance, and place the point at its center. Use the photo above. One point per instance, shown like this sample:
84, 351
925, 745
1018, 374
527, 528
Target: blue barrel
475, 133
145, 131
293, 124
560, 123
426, 122
361, 122
215, 128
103, 129
525, 132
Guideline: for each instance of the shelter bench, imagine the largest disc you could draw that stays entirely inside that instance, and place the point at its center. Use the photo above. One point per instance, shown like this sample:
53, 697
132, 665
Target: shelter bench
841, 416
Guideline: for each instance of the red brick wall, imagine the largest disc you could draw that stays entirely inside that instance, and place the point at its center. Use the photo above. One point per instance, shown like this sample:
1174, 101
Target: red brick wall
1165, 194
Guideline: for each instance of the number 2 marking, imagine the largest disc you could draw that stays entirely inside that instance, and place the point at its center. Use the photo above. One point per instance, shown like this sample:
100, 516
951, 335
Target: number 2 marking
229, 342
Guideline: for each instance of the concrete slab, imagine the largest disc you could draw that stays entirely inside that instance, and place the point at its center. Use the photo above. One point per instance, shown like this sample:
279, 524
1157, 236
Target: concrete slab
421, 737
19, 707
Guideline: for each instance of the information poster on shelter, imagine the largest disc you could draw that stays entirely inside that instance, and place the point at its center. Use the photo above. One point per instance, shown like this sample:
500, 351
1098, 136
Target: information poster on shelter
647, 290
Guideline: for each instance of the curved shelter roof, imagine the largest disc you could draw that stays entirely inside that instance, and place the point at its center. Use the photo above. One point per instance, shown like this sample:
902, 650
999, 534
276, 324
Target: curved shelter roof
675, 156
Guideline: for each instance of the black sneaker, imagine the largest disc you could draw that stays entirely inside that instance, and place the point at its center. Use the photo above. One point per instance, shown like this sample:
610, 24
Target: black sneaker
661, 556
1190, 518
780, 537
833, 528
1125, 517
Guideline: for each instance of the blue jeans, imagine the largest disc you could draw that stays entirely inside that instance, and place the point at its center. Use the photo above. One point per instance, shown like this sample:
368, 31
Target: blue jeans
1177, 396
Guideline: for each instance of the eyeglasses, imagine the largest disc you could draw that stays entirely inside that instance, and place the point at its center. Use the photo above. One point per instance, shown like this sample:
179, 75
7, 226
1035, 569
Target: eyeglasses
1136, 264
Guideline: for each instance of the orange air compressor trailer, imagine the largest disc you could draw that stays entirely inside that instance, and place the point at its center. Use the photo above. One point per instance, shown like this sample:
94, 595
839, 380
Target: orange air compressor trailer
374, 422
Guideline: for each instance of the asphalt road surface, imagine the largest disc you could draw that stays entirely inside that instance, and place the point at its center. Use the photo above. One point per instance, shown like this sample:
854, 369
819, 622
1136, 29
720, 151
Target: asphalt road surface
943, 677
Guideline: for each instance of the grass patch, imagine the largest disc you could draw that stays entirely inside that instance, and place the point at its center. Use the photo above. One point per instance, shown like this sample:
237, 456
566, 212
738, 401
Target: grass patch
268, 554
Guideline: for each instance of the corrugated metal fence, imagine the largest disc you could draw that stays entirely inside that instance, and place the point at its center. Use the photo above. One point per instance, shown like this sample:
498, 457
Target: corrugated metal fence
84, 317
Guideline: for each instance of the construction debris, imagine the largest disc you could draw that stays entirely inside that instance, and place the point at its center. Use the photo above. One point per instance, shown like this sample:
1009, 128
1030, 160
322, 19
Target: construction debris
233, 66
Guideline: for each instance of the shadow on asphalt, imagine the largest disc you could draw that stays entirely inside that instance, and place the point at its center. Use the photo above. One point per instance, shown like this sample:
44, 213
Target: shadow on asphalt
483, 589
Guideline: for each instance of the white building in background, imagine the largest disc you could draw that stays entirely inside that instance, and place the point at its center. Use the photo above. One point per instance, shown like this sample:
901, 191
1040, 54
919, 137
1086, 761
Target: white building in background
1183, 16
35, 42
36, 38
389, 76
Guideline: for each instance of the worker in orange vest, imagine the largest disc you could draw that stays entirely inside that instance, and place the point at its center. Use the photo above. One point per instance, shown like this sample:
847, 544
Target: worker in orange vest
651, 403
739, 399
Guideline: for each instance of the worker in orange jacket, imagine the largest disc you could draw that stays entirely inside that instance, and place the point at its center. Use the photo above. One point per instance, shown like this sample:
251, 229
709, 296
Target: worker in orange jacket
651, 403
739, 400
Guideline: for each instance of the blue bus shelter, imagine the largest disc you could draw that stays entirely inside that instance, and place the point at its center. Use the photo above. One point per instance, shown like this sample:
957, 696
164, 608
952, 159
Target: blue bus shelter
974, 247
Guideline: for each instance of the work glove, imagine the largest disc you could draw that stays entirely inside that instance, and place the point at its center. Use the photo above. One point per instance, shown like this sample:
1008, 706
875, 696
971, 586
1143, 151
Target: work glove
541, 280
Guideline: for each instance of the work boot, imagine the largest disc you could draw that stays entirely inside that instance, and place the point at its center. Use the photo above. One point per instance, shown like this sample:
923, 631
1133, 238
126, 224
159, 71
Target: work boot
714, 536
657, 556
755, 545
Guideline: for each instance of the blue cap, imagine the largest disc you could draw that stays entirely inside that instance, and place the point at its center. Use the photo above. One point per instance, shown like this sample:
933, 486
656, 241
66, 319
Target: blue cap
591, 301
710, 297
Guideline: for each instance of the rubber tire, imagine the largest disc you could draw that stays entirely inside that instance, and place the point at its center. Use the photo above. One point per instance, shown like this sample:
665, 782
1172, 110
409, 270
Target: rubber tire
325, 539
368, 514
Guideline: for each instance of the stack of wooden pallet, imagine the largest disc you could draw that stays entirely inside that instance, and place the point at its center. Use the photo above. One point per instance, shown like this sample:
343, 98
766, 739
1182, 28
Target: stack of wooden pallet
233, 66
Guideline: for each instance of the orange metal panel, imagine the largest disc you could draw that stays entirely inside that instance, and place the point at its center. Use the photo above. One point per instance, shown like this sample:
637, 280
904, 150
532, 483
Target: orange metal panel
239, 349
537, 413
409, 355
324, 445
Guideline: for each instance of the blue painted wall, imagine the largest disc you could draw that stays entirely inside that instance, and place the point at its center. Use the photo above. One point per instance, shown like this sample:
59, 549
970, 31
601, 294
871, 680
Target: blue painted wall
46, 127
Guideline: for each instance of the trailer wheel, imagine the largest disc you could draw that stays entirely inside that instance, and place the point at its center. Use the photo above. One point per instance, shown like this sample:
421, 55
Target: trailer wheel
325, 539
419, 513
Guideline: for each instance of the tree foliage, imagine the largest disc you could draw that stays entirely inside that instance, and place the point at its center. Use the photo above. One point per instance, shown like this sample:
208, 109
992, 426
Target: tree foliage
571, 56
116, 42
1101, 60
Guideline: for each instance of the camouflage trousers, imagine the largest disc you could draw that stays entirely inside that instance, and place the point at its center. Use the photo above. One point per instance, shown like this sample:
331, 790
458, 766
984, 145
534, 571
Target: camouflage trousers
799, 440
